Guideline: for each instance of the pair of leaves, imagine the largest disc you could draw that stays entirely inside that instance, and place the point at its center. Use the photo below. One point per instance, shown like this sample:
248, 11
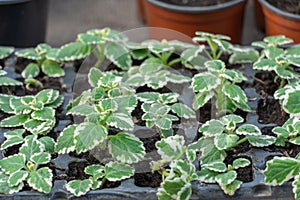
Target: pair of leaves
112, 171
289, 132
123, 147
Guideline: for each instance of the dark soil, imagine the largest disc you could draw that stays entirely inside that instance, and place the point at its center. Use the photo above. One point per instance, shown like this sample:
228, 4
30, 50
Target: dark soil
148, 179
264, 83
291, 6
195, 2
149, 143
269, 111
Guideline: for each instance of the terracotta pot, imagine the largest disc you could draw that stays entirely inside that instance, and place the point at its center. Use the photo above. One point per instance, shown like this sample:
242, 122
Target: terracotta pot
141, 10
279, 22
259, 16
224, 18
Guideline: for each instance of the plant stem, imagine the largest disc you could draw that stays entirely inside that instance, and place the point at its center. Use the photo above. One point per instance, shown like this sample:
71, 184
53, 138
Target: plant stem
99, 53
240, 141
103, 181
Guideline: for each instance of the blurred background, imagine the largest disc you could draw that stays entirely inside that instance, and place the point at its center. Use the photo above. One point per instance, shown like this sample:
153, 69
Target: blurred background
22, 22
67, 18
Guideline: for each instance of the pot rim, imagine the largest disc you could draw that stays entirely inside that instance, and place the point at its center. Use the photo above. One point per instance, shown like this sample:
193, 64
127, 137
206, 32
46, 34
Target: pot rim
195, 9
8, 2
272, 8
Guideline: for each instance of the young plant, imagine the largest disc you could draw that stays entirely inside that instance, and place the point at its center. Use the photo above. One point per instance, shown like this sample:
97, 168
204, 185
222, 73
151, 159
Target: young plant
181, 172
225, 176
35, 113
288, 132
6, 81
218, 45
275, 58
103, 43
27, 166
112, 171
107, 106
160, 110
218, 83
46, 60
155, 71
222, 135
288, 97
283, 169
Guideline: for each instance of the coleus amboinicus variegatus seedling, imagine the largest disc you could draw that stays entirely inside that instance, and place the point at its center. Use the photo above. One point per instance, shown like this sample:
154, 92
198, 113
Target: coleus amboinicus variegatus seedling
218, 83
225, 176
155, 71
289, 132
218, 45
288, 97
221, 135
160, 110
181, 172
27, 166
275, 58
46, 60
98, 175
107, 105
103, 43
35, 113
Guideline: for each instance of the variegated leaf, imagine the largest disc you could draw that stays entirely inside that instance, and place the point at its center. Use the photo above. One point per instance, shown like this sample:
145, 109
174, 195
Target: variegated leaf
41, 158
96, 171
232, 187
89, 135
65, 142
17, 178
248, 129
201, 99
118, 54
120, 120
5, 51
261, 140
5, 188
12, 138
170, 148
226, 178
79, 187
115, 171
73, 51
14, 121
225, 141
183, 111
126, 148
215, 166
280, 170
52, 69
205, 82
41, 180
28, 53
240, 162
94, 76
177, 188
32, 70
212, 128
82, 110
12, 163
31, 146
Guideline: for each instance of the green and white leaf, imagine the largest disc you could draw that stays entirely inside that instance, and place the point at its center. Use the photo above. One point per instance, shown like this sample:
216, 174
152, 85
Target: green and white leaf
12, 138
44, 114
14, 121
28, 53
261, 140
12, 163
5, 188
90, 39
225, 141
115, 171
65, 142
265, 64
183, 111
82, 110
226, 178
41, 158
291, 103
32, 70
205, 82
52, 69
31, 146
94, 76
232, 187
126, 148
96, 171
215, 166
243, 56
280, 170
207, 176
87, 136
5, 51
296, 187
175, 189
238, 96
171, 148
48, 143
73, 51
38, 127
212, 128
17, 178
118, 54
41, 180
120, 120
240, 162
248, 129
79, 187
201, 99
